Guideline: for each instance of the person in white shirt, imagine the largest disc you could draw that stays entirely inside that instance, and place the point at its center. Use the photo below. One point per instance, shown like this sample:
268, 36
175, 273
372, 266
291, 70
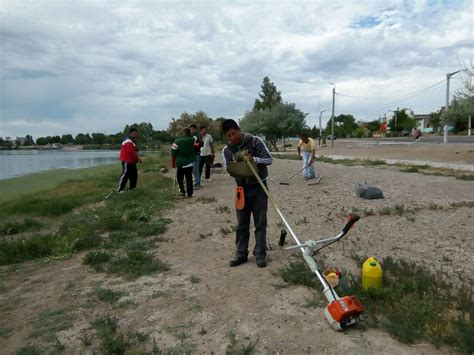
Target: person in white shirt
207, 153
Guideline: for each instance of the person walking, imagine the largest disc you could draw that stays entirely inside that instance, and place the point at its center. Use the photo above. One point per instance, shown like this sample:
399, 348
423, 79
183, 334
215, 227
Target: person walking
255, 199
197, 147
207, 153
307, 147
129, 158
183, 157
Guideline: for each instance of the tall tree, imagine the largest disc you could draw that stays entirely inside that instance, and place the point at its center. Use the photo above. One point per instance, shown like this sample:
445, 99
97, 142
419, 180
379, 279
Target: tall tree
67, 139
269, 97
29, 140
344, 125
283, 120
199, 118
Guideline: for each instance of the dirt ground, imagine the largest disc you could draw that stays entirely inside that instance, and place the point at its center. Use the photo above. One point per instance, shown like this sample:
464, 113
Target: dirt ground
201, 300
462, 153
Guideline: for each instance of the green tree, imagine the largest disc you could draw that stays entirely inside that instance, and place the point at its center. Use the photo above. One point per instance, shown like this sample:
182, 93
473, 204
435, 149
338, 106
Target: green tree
373, 126
401, 121
145, 130
29, 140
283, 120
67, 139
459, 111
114, 139
199, 118
344, 125
83, 139
435, 120
269, 97
43, 140
98, 138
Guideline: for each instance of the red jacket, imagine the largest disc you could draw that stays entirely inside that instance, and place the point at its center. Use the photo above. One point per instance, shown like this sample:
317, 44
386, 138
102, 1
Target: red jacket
129, 152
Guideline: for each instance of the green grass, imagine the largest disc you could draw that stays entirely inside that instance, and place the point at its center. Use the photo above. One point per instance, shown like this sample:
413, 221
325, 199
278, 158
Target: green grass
11, 189
136, 263
410, 169
30, 350
298, 273
465, 177
14, 227
413, 306
127, 218
49, 322
96, 259
107, 295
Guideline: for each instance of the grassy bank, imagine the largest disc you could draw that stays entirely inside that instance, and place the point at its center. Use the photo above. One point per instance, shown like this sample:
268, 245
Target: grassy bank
55, 223
19, 186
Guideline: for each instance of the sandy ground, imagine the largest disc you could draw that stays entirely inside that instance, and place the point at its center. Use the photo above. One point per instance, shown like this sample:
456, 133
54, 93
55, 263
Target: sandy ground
407, 150
181, 313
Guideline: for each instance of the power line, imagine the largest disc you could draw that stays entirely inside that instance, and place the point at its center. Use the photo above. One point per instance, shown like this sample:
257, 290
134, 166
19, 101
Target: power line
416, 93
396, 96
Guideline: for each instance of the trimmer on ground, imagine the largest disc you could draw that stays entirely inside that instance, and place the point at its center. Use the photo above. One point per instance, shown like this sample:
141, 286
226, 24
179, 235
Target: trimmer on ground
287, 182
341, 312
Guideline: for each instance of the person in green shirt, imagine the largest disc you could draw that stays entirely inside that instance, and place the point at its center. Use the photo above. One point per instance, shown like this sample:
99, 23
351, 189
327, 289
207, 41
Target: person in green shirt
183, 158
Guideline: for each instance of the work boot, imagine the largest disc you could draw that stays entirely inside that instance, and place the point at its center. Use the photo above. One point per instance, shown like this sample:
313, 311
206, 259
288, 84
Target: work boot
237, 261
261, 261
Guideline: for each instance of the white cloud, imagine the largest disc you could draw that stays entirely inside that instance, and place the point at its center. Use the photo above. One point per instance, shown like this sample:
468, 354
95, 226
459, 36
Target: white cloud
95, 66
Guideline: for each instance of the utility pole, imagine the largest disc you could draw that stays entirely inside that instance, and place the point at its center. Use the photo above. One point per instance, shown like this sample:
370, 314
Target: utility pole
469, 127
320, 128
448, 78
332, 115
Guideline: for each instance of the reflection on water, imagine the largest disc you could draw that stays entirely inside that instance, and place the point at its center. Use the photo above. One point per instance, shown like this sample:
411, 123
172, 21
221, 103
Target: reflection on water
21, 162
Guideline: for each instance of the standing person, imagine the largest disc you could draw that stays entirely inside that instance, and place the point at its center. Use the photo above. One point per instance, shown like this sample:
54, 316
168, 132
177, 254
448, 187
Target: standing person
417, 135
129, 158
256, 201
207, 153
307, 146
197, 147
183, 157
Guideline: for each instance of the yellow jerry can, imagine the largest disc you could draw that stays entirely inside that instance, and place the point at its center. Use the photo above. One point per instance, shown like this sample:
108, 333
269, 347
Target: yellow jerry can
371, 274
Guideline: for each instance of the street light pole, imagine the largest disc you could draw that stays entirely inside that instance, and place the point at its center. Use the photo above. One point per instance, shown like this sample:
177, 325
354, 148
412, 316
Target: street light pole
332, 115
448, 78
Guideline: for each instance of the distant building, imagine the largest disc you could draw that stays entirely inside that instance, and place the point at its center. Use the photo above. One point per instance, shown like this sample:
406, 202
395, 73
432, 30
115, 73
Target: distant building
20, 140
423, 123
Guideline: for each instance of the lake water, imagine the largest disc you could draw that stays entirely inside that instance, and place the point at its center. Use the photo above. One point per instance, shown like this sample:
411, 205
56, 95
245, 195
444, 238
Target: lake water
22, 162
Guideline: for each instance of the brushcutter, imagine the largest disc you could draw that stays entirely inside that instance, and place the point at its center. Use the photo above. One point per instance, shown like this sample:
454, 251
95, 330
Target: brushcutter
341, 312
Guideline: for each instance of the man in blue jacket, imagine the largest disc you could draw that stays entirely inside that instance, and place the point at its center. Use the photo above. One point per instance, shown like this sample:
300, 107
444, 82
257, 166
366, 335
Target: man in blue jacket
256, 201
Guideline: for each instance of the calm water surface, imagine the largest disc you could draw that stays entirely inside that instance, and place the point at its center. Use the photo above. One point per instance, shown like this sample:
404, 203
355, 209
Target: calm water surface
21, 162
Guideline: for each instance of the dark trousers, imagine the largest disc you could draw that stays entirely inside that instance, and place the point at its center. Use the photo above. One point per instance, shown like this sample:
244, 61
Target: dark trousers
180, 175
206, 159
129, 172
256, 203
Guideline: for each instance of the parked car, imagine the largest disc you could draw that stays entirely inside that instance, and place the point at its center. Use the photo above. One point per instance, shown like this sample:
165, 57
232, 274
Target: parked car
330, 138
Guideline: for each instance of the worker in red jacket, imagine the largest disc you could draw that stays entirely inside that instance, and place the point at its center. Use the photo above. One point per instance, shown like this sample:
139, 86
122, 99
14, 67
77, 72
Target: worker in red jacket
129, 158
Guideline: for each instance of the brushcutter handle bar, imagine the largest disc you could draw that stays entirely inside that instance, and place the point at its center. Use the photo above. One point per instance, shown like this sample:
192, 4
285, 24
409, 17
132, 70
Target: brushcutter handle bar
352, 219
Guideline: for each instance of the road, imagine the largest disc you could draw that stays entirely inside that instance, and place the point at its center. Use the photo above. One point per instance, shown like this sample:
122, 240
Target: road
426, 139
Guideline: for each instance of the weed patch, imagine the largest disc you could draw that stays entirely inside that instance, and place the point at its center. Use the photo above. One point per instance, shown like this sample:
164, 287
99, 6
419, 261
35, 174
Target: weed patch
136, 263
415, 305
107, 295
50, 322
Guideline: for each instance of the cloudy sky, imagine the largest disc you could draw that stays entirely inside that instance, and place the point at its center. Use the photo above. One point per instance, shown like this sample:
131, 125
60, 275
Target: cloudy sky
94, 66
